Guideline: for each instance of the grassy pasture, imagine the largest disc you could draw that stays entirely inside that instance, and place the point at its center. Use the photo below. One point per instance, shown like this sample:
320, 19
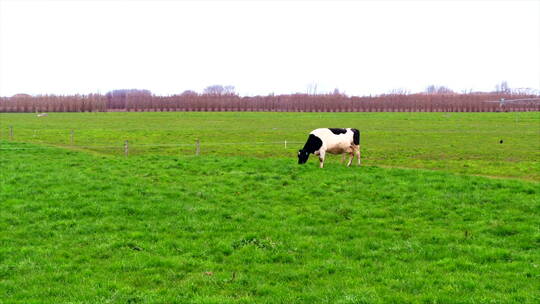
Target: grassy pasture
246, 224
467, 143
83, 228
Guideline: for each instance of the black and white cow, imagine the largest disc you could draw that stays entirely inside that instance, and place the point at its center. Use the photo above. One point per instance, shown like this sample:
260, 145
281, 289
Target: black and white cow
331, 140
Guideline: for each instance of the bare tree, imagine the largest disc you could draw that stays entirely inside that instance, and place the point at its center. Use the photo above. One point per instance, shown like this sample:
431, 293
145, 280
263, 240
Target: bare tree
189, 93
400, 91
433, 89
502, 87
21, 95
219, 90
229, 90
213, 90
525, 91
311, 89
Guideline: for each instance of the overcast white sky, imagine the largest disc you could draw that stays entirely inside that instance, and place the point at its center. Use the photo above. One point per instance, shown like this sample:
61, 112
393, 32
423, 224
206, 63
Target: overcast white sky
260, 47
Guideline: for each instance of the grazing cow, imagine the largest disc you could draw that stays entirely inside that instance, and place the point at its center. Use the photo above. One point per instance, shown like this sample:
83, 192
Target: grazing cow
331, 140
42, 115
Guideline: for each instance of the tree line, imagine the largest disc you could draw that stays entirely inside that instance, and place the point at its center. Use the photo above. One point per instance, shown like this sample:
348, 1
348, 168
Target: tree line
226, 100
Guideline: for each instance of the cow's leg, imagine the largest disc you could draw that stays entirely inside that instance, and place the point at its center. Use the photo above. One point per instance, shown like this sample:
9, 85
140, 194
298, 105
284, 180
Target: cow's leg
351, 154
357, 151
321, 158
342, 158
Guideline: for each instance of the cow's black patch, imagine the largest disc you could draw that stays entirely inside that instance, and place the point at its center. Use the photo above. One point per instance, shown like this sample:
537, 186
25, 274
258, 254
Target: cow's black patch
338, 131
313, 144
356, 136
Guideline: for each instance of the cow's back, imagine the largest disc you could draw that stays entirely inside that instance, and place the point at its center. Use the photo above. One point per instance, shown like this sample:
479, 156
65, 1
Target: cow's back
334, 139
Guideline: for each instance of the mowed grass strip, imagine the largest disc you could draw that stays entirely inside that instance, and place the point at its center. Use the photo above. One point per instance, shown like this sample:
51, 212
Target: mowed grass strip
82, 228
467, 143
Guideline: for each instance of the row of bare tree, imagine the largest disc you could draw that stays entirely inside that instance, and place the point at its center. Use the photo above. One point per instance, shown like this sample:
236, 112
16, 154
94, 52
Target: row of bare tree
145, 101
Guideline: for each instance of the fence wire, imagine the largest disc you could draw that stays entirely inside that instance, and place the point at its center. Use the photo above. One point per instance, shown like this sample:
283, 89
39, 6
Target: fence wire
131, 145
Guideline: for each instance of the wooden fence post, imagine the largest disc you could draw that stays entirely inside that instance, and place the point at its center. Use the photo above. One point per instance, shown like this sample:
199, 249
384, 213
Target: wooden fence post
197, 147
72, 137
126, 148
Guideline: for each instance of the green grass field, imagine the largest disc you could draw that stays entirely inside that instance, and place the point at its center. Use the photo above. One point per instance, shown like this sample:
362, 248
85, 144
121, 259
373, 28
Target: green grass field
246, 224
467, 143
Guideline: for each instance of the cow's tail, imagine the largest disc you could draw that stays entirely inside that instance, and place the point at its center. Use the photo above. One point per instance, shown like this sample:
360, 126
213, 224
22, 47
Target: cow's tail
356, 136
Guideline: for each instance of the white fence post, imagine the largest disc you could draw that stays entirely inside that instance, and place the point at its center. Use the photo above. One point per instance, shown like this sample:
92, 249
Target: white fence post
126, 148
197, 147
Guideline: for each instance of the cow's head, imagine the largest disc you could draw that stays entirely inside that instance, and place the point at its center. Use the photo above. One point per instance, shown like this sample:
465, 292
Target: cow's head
303, 156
